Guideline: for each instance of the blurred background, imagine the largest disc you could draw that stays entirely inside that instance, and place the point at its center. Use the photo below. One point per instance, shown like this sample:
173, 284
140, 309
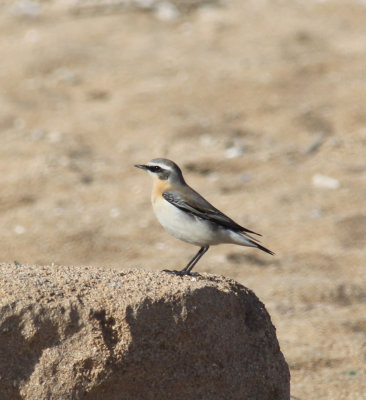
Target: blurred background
263, 105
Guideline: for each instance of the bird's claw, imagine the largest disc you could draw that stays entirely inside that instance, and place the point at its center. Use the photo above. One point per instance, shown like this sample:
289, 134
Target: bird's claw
174, 272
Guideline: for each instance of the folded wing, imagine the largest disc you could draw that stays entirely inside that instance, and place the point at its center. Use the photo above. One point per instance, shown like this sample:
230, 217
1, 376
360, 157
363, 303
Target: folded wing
201, 208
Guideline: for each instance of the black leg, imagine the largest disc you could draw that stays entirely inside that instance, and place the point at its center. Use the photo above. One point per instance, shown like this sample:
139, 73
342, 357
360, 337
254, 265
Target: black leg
188, 268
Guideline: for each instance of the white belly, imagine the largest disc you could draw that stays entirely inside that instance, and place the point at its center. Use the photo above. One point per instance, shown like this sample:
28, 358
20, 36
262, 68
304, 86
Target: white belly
188, 228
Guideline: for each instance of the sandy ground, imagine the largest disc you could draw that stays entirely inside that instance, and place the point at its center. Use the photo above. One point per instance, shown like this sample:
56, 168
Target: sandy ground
262, 104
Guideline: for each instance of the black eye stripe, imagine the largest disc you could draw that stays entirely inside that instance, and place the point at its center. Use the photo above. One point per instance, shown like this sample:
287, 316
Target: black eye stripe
155, 168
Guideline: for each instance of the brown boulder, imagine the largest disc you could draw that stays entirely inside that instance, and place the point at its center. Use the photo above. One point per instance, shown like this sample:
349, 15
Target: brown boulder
94, 333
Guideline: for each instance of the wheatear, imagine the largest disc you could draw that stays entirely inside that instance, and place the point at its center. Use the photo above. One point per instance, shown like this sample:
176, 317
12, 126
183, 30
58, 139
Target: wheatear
185, 214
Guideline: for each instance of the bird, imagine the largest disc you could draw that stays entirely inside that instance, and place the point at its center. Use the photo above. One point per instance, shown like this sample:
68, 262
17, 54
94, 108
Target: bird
186, 215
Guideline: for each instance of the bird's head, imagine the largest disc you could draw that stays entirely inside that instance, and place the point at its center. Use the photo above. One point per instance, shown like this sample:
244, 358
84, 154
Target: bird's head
164, 170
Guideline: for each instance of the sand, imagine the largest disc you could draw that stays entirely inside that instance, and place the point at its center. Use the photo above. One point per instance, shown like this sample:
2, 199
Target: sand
261, 103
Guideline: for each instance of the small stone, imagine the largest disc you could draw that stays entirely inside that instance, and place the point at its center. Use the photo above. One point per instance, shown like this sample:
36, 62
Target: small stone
326, 182
115, 212
145, 3
65, 75
26, 8
166, 11
19, 229
316, 213
54, 137
31, 36
234, 151
206, 140
245, 178
115, 284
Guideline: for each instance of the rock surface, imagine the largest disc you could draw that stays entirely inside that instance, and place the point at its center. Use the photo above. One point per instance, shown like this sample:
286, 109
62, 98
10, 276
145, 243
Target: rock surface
95, 333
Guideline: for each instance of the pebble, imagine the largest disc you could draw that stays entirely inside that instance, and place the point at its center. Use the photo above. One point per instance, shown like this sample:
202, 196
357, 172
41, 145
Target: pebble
115, 212
234, 151
19, 229
326, 182
26, 8
246, 177
166, 11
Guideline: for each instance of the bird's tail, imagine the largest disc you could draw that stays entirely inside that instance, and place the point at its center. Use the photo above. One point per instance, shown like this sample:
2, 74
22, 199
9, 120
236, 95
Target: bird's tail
244, 239
260, 247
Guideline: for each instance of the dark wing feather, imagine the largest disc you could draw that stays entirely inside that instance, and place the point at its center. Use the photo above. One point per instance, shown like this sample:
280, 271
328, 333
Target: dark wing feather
203, 209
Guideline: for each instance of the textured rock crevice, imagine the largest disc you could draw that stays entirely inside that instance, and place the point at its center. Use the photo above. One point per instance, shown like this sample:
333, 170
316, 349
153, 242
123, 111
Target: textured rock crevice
93, 333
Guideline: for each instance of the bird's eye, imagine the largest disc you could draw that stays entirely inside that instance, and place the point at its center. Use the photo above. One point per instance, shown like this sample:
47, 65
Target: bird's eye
155, 168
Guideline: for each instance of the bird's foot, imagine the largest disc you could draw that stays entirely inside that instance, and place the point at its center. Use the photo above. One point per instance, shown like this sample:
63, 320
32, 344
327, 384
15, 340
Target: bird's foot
179, 273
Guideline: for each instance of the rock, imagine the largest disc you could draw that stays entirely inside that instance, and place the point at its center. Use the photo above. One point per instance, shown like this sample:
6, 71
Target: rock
95, 333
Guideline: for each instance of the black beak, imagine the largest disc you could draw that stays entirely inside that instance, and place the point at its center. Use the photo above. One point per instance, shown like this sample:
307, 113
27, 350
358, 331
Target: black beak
142, 166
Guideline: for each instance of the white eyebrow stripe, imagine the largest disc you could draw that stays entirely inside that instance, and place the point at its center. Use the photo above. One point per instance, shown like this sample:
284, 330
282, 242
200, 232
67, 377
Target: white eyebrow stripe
163, 166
